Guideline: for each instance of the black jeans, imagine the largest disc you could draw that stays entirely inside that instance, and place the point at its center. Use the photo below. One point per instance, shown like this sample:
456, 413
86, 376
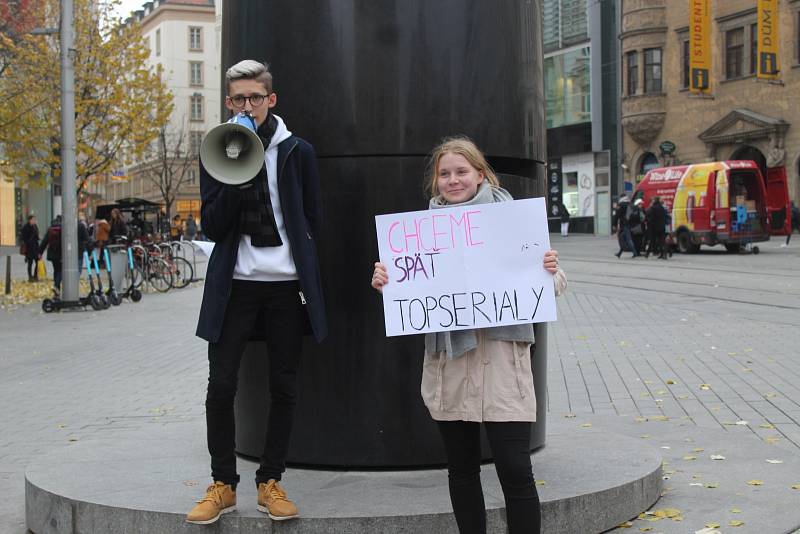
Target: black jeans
510, 443
56, 273
31, 264
284, 321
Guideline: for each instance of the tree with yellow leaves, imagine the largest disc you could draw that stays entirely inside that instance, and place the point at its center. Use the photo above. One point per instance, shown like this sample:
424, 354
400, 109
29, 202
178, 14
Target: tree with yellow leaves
120, 103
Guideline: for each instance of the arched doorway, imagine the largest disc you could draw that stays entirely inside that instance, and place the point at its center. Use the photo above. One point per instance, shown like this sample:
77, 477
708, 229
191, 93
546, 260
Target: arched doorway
754, 154
648, 162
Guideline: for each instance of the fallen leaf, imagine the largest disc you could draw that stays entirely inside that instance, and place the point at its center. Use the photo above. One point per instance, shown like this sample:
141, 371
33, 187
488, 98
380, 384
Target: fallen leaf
541, 482
796, 486
713, 525
699, 449
712, 485
705, 387
735, 511
586, 425
765, 425
774, 461
689, 457
735, 523
570, 416
755, 482
670, 382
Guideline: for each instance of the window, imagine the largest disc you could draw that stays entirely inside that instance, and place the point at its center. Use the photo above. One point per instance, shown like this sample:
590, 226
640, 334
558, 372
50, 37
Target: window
191, 177
734, 53
686, 64
652, 70
564, 22
158, 42
753, 48
633, 71
196, 107
196, 73
195, 38
195, 140
567, 88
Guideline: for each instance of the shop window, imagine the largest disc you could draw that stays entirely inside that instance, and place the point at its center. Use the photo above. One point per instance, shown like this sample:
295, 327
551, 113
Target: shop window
633, 71
652, 70
569, 195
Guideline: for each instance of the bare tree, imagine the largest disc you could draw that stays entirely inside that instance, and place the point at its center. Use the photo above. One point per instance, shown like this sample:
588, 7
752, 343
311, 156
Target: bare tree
168, 170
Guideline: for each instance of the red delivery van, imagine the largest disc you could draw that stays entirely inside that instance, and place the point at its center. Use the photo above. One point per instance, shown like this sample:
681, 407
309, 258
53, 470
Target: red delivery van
722, 202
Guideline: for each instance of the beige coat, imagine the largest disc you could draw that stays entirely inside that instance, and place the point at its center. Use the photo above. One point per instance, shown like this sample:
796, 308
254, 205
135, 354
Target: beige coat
492, 382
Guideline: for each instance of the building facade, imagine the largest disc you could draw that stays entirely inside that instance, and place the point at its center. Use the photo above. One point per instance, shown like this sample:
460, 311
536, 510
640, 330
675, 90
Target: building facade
741, 117
580, 44
183, 39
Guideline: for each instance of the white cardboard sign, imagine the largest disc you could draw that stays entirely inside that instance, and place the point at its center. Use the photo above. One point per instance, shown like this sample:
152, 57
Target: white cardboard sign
467, 267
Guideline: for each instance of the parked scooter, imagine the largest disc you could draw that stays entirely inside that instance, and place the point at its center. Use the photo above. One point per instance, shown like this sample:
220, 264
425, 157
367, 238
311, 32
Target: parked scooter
113, 297
132, 291
99, 300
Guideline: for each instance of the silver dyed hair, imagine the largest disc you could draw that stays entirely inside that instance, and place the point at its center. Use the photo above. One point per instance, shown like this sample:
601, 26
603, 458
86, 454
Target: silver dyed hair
249, 69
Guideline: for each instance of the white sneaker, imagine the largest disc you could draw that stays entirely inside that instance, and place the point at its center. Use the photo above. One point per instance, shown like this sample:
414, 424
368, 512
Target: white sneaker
784, 245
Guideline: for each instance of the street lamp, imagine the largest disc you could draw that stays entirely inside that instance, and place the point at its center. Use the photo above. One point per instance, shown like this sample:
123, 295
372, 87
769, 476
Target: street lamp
69, 205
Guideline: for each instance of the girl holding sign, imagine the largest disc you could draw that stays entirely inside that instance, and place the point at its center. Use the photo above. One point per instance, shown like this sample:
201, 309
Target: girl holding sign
481, 376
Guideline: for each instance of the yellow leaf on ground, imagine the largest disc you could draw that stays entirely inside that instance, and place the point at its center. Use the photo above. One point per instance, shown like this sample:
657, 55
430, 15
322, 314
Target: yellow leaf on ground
735, 523
711, 524
755, 482
689, 457
735, 511
586, 425
667, 512
699, 449
712, 485
705, 387
541, 482
670, 382
796, 486
765, 425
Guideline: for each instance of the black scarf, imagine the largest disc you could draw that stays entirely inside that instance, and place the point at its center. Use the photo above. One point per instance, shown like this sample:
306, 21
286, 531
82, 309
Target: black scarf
257, 218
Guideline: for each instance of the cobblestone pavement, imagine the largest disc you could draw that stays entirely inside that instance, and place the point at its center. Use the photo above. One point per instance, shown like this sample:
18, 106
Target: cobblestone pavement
691, 345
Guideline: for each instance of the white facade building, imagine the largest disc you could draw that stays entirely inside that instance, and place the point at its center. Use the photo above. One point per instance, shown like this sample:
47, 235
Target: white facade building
183, 39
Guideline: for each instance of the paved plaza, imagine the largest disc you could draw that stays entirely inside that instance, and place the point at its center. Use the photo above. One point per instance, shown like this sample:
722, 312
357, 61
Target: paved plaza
696, 355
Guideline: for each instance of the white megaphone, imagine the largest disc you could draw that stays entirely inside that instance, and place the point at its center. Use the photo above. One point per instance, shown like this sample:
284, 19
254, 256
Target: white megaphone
231, 152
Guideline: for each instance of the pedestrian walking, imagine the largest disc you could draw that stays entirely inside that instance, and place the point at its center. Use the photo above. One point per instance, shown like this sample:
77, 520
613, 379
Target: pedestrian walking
563, 213
795, 224
51, 242
264, 264
190, 228
637, 220
656, 229
176, 229
624, 236
29, 247
459, 176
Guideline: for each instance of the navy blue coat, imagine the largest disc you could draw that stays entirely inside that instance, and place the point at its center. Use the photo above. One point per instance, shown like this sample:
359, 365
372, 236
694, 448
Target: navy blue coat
299, 190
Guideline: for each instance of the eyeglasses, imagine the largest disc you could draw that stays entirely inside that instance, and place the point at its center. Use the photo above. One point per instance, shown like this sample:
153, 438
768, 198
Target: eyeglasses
255, 100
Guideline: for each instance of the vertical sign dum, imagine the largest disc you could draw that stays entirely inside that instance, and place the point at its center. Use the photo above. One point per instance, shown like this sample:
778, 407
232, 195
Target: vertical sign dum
768, 67
700, 46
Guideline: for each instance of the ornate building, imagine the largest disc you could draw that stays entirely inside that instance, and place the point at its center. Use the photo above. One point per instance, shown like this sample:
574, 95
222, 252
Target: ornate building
740, 118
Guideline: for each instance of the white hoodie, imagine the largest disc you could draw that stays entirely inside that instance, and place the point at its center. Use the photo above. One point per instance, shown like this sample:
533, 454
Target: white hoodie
268, 264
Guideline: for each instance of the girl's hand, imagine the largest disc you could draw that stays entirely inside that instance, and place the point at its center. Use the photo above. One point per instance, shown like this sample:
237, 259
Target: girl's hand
379, 277
551, 261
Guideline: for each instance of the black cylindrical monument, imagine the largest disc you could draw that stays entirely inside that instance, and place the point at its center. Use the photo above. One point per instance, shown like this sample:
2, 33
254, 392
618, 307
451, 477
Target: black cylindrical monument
374, 85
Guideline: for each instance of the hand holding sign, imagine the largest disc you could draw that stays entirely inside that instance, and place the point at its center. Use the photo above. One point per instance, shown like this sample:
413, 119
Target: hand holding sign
467, 267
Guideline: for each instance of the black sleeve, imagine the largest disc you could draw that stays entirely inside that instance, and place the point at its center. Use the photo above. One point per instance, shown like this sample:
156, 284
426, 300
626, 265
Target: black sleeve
220, 206
312, 202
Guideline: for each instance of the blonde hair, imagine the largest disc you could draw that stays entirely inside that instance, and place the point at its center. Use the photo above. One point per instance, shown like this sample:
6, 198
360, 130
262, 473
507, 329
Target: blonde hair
249, 69
462, 146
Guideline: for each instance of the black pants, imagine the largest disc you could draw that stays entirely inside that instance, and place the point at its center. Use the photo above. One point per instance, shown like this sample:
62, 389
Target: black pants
56, 273
284, 321
510, 443
31, 264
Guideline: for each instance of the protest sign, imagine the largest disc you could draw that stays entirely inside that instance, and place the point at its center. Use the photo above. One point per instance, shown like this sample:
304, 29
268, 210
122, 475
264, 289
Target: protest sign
475, 266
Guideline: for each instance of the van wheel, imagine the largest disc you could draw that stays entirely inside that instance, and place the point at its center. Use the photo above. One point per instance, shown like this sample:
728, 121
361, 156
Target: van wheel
733, 248
685, 245
756, 250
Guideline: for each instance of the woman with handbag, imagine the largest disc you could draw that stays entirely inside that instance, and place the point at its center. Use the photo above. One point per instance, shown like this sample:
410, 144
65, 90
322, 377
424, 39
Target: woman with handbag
30, 247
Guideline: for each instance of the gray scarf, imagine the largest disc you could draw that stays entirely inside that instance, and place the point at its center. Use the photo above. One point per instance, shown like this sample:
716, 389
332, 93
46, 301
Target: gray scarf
457, 342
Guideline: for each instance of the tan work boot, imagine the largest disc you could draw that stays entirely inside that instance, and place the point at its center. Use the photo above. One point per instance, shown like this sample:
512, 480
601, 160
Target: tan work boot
272, 500
220, 499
